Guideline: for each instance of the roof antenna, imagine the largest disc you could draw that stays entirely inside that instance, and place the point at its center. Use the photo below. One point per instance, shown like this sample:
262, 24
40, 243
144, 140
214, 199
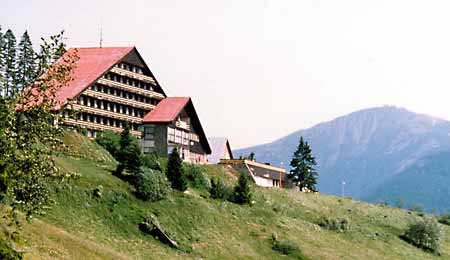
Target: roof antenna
101, 32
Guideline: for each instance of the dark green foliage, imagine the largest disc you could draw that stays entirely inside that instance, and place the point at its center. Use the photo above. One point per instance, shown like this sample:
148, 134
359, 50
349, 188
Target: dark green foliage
129, 155
251, 157
151, 185
219, 190
7, 253
242, 192
339, 225
303, 172
26, 67
424, 234
444, 219
110, 141
151, 161
196, 178
9, 62
175, 172
287, 247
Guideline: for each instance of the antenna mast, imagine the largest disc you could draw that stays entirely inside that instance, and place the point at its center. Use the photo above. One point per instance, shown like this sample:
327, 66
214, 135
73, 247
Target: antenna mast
101, 32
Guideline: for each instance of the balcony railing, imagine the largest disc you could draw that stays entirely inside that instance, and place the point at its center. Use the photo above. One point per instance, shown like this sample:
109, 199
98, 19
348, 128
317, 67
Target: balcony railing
116, 99
107, 113
96, 126
134, 89
134, 75
183, 125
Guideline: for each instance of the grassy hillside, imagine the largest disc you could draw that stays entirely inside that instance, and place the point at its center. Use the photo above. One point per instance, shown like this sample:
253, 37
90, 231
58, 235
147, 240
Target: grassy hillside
81, 226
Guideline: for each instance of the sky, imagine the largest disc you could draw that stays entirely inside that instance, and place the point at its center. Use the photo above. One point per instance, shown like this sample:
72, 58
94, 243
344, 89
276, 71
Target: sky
258, 70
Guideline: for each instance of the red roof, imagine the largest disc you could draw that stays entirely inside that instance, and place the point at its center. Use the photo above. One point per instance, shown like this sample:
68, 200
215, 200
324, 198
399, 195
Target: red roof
167, 110
93, 63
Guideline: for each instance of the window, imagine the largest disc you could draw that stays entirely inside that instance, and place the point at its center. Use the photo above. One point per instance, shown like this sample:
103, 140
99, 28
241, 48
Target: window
149, 132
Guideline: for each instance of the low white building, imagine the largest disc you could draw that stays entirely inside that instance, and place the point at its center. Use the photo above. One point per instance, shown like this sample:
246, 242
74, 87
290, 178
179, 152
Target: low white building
262, 174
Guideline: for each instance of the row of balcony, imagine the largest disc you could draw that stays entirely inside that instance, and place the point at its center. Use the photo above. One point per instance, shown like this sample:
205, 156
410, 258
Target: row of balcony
96, 126
106, 113
116, 99
133, 75
126, 87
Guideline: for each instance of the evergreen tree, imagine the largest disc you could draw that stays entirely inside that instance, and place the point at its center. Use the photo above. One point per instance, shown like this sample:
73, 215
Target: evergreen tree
129, 154
26, 70
9, 60
175, 172
2, 63
242, 192
303, 172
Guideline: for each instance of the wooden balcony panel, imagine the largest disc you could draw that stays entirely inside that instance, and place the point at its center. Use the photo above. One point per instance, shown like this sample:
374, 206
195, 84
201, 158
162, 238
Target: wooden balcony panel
116, 99
134, 75
101, 112
96, 126
133, 89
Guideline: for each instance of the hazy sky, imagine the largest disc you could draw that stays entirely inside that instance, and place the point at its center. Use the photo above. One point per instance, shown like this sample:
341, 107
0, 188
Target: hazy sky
258, 70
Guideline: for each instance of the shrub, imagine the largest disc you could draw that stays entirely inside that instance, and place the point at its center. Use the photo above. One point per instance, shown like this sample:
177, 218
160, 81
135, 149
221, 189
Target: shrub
196, 178
444, 219
7, 253
242, 192
287, 247
424, 234
219, 190
110, 141
151, 185
151, 161
339, 225
175, 172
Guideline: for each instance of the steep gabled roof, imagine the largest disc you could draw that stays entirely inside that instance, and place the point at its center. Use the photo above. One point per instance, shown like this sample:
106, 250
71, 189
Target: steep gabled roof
219, 145
168, 110
92, 64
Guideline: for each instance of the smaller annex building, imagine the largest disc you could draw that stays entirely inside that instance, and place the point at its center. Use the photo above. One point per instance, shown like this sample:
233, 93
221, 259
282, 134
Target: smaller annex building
262, 174
174, 123
221, 149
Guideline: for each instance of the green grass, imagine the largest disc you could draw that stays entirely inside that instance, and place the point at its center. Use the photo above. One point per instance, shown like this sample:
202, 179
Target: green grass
80, 226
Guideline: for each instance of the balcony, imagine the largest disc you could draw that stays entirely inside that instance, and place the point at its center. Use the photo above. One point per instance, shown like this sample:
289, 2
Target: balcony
133, 89
116, 99
133, 75
107, 113
182, 125
96, 126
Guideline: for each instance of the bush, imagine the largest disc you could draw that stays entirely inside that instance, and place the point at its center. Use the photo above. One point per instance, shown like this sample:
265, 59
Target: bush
110, 141
444, 219
7, 253
242, 192
175, 172
151, 161
287, 247
219, 190
151, 185
196, 178
424, 234
339, 225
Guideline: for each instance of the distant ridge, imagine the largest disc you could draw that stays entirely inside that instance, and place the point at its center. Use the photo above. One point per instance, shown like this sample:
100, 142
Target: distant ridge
368, 149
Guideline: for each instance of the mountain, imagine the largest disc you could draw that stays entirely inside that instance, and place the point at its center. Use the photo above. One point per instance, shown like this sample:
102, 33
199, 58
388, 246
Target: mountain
373, 151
